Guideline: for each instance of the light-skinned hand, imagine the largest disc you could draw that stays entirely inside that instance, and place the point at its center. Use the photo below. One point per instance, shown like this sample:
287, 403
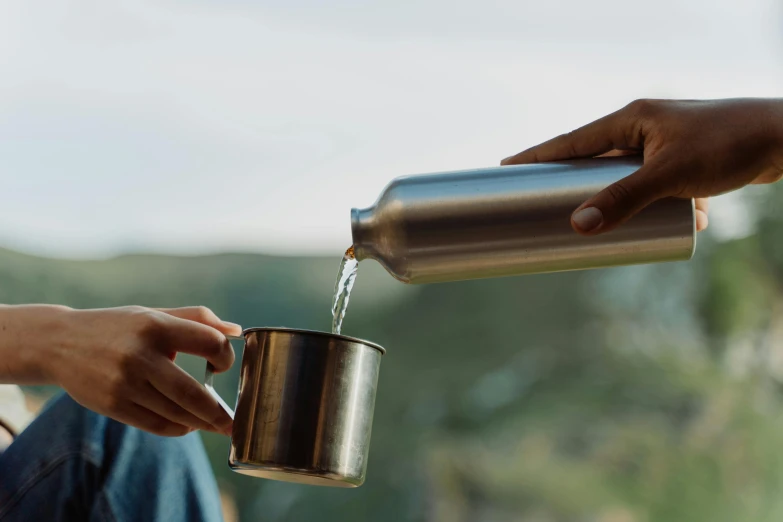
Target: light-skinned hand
119, 362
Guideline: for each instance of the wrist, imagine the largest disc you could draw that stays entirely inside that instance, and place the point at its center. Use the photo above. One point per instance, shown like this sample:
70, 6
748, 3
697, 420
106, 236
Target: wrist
777, 126
55, 341
31, 339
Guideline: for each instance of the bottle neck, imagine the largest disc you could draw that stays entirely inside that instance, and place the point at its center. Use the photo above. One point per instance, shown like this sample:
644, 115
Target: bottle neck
362, 232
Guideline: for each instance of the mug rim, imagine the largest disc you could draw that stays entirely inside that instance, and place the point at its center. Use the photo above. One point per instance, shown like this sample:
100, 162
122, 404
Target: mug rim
342, 337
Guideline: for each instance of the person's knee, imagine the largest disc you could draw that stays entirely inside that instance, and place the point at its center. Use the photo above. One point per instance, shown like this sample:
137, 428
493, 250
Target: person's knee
69, 426
159, 469
80, 454
109, 440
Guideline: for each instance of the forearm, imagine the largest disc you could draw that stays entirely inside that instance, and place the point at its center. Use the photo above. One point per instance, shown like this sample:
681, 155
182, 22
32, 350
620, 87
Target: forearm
27, 335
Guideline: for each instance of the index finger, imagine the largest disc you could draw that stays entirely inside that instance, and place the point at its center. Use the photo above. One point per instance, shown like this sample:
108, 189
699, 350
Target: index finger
184, 335
619, 130
203, 315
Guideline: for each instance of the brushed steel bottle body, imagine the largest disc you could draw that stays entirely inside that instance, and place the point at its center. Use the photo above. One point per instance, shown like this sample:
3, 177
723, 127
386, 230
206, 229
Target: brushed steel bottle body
512, 220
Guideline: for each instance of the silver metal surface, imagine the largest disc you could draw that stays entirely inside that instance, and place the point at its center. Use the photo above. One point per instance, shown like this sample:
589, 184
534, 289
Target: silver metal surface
305, 407
512, 220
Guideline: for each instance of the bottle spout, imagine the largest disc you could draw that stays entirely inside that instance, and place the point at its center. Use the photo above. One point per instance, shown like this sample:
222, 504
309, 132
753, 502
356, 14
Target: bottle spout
368, 242
361, 232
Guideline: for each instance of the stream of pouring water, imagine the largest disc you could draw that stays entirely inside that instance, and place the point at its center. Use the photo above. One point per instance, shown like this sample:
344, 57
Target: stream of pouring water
346, 276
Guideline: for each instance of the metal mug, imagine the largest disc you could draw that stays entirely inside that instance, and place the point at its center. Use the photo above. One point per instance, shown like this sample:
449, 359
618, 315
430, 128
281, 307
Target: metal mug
304, 408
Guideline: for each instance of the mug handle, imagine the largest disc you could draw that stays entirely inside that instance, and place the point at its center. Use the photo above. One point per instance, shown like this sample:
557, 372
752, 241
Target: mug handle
209, 381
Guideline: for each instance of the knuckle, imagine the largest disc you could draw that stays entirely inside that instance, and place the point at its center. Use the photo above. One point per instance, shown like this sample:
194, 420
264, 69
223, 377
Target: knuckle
166, 428
643, 108
150, 326
127, 362
115, 381
177, 430
220, 419
772, 177
215, 343
112, 399
136, 310
203, 314
618, 192
189, 395
227, 350
160, 427
680, 187
570, 139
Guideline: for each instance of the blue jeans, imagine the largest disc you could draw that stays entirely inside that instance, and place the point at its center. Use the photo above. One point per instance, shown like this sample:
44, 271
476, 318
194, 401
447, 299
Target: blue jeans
71, 464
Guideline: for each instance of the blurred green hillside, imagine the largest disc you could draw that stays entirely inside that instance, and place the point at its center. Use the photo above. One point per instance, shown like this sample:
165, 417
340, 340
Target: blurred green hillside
638, 394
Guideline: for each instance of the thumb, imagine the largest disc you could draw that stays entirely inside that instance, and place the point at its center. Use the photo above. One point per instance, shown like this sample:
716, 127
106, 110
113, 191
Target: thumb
618, 202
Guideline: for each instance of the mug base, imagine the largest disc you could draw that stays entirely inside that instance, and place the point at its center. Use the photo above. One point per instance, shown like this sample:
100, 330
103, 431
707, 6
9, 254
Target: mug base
296, 476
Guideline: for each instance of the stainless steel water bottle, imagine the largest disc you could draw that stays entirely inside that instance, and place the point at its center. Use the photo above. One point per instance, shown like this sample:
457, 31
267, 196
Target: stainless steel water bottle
512, 220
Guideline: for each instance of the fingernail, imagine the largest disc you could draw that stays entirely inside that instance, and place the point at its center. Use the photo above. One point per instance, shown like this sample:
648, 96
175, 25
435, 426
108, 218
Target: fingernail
232, 325
505, 160
588, 219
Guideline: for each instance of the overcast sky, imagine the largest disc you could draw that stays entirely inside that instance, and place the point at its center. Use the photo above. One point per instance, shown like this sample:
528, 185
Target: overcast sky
200, 126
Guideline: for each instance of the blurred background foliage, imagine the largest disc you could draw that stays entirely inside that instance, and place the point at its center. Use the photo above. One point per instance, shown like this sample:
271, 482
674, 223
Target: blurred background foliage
637, 394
